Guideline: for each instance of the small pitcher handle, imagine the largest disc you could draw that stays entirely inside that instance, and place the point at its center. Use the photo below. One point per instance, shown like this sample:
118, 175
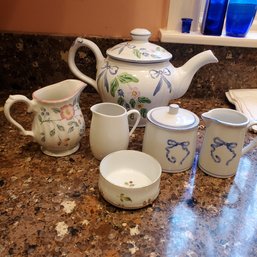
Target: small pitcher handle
137, 121
8, 104
253, 143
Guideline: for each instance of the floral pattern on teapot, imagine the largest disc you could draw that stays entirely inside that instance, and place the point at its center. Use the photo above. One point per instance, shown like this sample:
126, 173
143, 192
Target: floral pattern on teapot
139, 52
132, 93
56, 117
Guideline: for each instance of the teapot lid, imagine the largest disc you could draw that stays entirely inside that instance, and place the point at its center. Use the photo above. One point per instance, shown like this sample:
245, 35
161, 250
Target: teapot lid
139, 50
173, 117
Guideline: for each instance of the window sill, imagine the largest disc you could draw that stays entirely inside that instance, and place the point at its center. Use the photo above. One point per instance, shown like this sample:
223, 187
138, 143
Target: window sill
171, 36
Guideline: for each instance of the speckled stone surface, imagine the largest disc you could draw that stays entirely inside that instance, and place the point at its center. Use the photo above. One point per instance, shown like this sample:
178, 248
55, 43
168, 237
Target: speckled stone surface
52, 206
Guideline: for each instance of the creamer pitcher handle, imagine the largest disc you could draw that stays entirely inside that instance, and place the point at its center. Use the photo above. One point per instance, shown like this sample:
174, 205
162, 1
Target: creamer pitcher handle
79, 42
8, 104
137, 120
253, 143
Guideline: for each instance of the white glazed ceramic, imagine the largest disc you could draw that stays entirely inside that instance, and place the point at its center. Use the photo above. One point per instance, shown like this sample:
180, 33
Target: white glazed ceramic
170, 137
58, 123
138, 74
109, 129
129, 179
223, 142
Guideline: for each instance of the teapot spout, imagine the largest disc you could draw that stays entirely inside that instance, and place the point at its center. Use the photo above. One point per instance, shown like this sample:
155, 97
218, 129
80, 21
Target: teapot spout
188, 70
198, 61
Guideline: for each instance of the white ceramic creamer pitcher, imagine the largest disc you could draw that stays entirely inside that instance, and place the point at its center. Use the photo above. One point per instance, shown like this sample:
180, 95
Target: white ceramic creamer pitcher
109, 129
223, 142
58, 123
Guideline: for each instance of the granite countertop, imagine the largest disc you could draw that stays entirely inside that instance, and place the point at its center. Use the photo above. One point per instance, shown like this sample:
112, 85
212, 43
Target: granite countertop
52, 207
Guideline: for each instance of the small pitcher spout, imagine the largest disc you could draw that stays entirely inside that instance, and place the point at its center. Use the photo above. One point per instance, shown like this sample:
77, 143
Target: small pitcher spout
207, 118
61, 91
187, 71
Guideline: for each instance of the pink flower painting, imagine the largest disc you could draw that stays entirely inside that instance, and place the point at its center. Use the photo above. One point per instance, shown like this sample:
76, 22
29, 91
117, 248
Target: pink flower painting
67, 112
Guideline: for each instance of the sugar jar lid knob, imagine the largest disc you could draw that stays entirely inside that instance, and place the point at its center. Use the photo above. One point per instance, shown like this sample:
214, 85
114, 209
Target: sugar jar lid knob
173, 108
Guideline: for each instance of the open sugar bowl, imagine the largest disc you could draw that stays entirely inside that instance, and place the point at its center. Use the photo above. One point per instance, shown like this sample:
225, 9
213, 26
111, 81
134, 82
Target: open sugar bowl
129, 179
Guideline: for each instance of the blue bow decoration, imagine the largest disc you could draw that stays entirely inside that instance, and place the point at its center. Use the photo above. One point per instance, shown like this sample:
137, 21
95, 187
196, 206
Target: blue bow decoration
172, 144
218, 142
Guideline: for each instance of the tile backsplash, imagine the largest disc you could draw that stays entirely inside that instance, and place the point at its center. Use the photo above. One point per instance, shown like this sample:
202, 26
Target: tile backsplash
29, 62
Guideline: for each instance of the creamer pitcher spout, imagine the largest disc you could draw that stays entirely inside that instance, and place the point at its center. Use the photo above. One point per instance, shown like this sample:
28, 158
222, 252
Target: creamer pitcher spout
207, 118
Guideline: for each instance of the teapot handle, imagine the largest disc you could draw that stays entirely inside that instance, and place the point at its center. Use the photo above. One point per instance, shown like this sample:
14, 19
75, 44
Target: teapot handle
8, 104
79, 42
137, 120
253, 143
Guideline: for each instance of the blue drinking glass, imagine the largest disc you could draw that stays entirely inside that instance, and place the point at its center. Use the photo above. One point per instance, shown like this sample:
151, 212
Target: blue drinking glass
186, 25
214, 15
240, 16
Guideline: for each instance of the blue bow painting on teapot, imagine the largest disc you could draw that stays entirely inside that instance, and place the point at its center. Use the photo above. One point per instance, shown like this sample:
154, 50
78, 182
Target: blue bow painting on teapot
138, 74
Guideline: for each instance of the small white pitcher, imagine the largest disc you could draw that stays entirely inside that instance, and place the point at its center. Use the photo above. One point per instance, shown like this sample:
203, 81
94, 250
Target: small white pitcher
109, 130
223, 142
58, 123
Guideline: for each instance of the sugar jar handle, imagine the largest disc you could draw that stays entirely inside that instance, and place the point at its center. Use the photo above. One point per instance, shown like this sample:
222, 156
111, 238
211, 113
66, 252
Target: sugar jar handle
137, 120
253, 143
8, 104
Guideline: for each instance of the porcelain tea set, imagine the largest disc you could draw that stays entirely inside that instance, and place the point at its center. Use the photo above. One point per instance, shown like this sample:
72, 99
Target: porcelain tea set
136, 83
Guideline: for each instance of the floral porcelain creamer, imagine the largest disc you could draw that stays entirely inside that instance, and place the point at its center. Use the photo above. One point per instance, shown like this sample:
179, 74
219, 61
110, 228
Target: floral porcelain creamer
58, 123
137, 74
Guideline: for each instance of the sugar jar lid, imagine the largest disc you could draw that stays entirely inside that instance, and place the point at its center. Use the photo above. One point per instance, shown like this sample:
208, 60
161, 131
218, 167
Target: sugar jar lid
173, 117
139, 49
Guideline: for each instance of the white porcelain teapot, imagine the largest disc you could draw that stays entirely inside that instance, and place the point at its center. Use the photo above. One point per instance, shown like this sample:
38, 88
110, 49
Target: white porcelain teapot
137, 74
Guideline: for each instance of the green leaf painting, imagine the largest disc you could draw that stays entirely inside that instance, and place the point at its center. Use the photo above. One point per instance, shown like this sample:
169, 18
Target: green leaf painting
144, 100
75, 123
56, 110
126, 78
70, 129
60, 127
121, 101
40, 118
114, 86
137, 53
143, 112
52, 132
132, 102
125, 198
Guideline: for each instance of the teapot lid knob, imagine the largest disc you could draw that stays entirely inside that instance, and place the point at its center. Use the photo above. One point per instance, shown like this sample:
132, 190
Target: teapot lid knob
173, 108
140, 34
